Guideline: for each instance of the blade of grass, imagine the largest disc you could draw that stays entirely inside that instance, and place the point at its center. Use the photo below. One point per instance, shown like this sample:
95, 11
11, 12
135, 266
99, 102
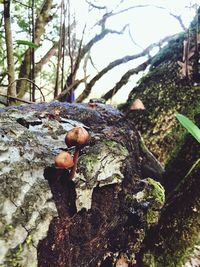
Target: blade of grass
189, 125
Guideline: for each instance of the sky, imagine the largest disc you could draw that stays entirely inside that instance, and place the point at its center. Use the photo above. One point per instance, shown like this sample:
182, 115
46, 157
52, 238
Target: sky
146, 25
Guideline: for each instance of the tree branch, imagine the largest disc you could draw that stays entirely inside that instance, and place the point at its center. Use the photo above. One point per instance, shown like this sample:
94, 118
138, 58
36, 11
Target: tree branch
124, 79
118, 62
69, 88
95, 6
15, 98
52, 51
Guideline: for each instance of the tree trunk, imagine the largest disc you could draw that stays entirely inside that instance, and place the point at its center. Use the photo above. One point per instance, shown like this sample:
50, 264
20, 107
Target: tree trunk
101, 215
172, 242
25, 70
165, 90
9, 50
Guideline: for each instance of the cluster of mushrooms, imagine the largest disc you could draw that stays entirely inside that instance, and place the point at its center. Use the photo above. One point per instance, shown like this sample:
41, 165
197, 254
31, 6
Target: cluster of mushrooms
77, 137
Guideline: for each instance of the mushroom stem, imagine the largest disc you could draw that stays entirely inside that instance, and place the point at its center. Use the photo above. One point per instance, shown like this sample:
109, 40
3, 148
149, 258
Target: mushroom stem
75, 159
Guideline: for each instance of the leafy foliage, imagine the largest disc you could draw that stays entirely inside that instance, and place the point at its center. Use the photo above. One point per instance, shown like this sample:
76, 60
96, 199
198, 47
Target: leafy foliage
28, 43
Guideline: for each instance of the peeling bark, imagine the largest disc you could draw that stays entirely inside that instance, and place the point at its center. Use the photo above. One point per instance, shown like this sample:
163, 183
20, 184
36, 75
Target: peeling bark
105, 210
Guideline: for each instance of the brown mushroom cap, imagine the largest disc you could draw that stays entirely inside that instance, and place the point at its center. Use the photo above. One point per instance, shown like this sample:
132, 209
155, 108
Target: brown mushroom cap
77, 136
137, 104
64, 160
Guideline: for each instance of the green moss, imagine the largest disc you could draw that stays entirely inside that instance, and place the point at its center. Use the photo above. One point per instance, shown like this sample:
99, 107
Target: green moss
11, 110
29, 240
157, 193
13, 258
149, 260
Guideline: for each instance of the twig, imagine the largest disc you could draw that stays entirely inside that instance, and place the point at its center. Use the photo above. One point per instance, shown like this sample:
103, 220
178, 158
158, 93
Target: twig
29, 82
16, 98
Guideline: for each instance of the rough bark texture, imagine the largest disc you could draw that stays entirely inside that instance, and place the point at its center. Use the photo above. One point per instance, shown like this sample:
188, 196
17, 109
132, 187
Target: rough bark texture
48, 220
172, 242
164, 91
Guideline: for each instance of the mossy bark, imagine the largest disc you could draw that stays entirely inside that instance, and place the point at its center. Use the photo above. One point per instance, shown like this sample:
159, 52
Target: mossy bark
165, 91
172, 241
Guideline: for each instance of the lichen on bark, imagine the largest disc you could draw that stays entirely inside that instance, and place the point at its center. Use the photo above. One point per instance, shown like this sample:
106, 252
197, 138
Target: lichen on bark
43, 220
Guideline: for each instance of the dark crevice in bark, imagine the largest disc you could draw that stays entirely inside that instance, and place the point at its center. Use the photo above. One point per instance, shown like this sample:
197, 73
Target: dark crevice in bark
63, 191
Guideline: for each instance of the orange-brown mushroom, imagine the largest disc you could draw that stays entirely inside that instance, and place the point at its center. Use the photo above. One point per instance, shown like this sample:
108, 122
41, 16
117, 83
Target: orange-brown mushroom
64, 160
77, 137
137, 104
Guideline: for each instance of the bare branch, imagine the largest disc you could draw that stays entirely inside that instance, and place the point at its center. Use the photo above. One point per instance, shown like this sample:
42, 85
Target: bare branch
124, 79
16, 98
179, 20
30, 81
98, 38
68, 89
52, 51
118, 62
95, 6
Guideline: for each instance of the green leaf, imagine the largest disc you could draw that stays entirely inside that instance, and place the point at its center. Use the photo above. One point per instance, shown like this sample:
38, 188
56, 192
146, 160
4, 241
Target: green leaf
189, 125
24, 42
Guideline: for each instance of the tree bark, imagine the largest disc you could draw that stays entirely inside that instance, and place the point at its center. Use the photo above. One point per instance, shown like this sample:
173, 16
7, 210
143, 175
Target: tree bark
165, 91
48, 220
9, 50
171, 243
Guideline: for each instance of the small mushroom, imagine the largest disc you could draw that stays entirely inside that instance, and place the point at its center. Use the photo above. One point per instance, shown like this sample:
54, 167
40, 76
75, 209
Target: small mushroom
122, 261
77, 137
137, 104
64, 160
92, 105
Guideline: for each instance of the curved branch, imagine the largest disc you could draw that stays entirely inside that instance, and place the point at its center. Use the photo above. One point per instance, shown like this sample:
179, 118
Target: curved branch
52, 51
28, 80
124, 79
118, 62
69, 88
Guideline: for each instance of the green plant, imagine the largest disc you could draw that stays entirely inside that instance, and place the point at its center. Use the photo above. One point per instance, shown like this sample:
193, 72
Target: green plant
194, 130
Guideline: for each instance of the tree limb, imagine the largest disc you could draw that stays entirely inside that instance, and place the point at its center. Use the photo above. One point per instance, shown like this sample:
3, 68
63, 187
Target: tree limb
124, 79
15, 98
118, 62
69, 88
52, 51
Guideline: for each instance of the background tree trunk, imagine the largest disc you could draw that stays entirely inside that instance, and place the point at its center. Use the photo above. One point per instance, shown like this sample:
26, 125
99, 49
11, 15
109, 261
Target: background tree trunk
9, 50
25, 70
165, 91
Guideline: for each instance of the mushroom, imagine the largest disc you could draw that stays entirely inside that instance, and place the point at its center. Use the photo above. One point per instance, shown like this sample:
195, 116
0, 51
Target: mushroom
137, 104
64, 160
77, 137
